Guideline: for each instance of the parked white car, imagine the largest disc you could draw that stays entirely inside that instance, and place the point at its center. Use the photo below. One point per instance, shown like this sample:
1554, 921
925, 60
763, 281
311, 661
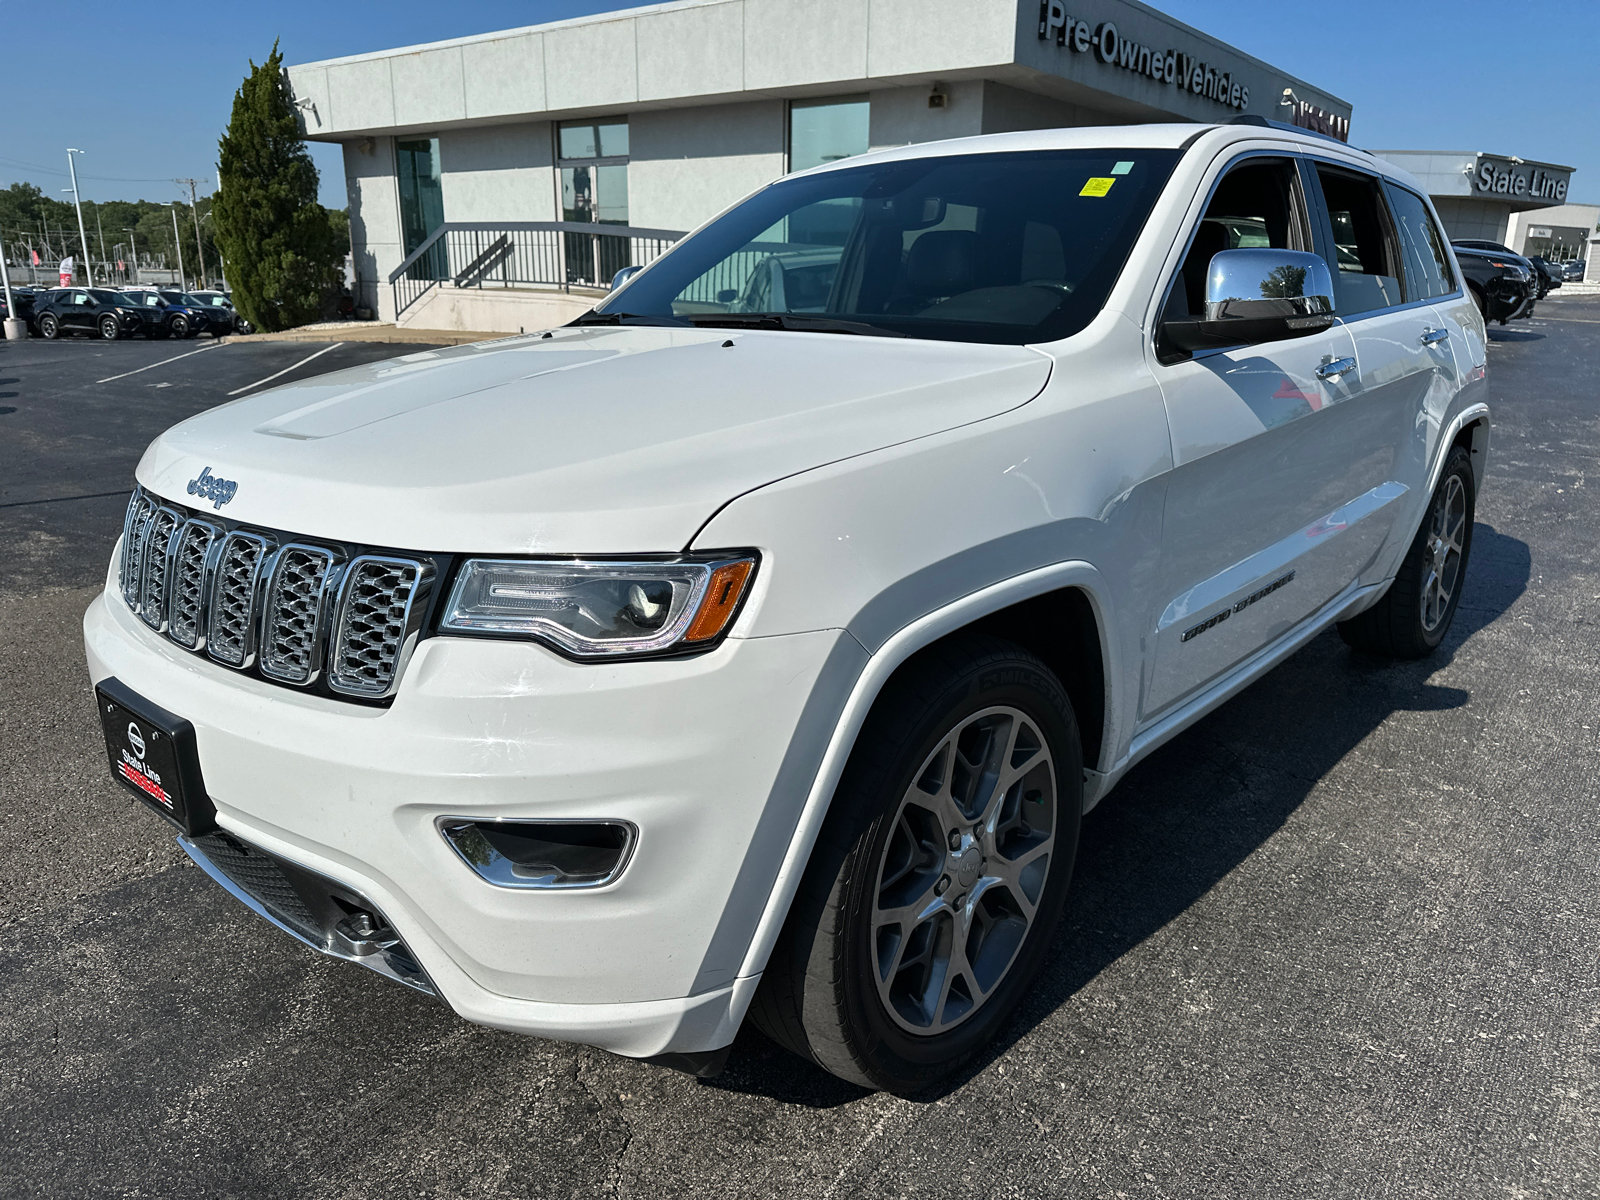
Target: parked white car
684, 664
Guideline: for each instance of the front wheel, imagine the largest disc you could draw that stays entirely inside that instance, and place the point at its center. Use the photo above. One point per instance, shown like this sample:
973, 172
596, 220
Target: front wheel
939, 875
1415, 613
109, 329
180, 327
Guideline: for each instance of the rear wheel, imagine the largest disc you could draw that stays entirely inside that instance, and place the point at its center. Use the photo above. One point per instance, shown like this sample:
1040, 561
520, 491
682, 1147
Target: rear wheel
1415, 613
49, 326
939, 876
109, 329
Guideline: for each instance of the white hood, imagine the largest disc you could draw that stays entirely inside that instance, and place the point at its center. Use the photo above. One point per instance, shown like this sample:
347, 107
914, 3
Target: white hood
592, 441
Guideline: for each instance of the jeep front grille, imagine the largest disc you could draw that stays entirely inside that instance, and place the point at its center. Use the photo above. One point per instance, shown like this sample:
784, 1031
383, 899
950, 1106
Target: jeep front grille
271, 603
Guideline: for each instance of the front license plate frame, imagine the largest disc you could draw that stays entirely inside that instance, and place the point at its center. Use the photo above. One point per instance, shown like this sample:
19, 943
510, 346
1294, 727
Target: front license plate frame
152, 753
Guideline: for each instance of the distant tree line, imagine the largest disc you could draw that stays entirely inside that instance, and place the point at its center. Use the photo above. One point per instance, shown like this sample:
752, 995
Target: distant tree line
31, 220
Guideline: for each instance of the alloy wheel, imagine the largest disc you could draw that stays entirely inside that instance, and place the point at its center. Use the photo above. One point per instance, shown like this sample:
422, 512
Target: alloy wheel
1447, 526
108, 329
963, 870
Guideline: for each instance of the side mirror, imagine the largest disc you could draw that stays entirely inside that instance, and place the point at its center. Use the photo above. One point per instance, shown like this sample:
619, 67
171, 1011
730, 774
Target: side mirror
622, 276
1258, 296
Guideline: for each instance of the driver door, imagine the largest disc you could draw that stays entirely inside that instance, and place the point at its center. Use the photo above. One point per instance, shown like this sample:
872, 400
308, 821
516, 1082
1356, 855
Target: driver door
1261, 484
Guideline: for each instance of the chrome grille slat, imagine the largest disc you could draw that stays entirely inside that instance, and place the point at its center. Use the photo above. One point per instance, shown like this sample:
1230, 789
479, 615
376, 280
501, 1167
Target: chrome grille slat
292, 612
134, 526
187, 587
230, 629
374, 623
154, 554
291, 634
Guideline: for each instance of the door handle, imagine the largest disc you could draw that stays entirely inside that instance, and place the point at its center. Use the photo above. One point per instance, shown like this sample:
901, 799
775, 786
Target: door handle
1432, 337
1332, 370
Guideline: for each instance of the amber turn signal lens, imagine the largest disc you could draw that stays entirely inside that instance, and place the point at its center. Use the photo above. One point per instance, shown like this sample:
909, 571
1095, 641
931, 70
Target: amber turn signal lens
721, 598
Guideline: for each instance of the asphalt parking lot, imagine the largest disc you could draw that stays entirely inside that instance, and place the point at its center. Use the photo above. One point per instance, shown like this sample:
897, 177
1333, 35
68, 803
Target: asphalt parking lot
1339, 939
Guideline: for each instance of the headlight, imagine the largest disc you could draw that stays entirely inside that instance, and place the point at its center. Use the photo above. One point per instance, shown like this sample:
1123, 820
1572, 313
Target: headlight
600, 609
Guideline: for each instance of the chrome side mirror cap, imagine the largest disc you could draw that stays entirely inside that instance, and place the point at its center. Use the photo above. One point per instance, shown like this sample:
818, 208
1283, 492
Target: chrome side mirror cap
1259, 295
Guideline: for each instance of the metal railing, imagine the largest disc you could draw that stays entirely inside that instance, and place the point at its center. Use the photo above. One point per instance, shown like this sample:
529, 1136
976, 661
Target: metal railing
558, 254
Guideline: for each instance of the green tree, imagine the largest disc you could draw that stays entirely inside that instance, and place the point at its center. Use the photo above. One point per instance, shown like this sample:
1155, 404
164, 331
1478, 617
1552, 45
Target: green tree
282, 249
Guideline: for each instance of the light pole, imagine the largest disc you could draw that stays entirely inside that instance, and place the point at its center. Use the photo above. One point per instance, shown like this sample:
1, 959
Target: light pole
177, 244
194, 211
134, 248
16, 329
83, 238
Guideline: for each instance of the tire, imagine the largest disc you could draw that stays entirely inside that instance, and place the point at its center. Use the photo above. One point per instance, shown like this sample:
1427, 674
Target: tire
1415, 613
889, 1004
1483, 304
109, 329
180, 327
49, 327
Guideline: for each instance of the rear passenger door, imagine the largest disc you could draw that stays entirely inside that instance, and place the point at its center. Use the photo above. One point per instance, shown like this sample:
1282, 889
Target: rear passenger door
1253, 533
1405, 366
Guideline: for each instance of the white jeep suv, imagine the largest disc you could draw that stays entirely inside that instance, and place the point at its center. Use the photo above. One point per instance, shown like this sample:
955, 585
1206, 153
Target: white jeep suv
753, 645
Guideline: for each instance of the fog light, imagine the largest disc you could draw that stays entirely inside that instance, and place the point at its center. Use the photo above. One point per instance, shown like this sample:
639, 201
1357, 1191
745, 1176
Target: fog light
542, 854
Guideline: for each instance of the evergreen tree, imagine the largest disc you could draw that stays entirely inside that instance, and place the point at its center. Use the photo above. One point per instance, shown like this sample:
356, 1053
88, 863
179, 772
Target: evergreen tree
281, 249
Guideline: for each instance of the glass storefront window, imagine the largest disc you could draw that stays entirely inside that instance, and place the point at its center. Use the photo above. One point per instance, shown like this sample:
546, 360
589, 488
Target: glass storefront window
824, 131
421, 197
594, 192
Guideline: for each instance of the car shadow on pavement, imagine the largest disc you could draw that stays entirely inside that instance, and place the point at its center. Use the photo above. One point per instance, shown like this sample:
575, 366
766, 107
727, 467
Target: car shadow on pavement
1514, 335
1180, 821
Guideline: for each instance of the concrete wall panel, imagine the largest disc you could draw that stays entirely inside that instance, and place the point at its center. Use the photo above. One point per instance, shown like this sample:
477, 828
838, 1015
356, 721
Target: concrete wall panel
428, 86
374, 219
1009, 110
901, 116
688, 164
311, 83
914, 37
504, 76
788, 43
361, 94
691, 51
498, 173
591, 66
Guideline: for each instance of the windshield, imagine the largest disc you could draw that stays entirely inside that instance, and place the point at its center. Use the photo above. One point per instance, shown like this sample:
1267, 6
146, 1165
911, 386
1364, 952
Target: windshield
1011, 248
143, 299
174, 298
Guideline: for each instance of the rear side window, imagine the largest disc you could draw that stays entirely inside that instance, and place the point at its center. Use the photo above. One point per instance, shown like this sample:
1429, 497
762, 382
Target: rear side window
1368, 275
1427, 266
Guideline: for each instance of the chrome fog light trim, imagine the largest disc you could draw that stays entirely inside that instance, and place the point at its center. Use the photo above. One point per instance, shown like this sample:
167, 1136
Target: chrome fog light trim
558, 855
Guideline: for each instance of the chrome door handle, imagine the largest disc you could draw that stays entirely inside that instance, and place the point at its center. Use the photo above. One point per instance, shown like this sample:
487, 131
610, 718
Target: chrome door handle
1339, 366
1432, 337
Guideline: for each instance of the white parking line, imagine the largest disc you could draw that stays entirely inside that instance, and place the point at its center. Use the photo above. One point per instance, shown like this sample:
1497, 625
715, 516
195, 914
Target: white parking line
162, 363
286, 370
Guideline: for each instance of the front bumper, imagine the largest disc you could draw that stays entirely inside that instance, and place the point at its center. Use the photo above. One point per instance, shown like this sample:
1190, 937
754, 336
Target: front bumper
709, 757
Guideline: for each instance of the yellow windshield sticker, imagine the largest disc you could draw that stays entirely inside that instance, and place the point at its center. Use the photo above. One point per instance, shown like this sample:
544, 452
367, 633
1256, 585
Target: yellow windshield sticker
1098, 186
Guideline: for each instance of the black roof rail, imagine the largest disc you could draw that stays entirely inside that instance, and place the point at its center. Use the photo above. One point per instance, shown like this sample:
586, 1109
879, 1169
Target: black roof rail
1264, 123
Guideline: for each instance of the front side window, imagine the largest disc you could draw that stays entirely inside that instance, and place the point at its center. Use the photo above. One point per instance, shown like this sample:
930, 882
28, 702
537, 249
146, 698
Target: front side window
1257, 204
1427, 265
825, 131
1010, 248
1368, 277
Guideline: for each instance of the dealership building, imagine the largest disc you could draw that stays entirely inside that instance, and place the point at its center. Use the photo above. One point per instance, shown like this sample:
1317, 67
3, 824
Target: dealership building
478, 167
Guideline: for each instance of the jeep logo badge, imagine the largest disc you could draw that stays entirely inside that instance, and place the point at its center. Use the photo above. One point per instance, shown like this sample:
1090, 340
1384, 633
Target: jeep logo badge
208, 487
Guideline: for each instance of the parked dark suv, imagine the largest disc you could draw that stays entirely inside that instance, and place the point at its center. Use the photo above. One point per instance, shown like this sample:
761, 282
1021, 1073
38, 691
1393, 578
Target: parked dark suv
1502, 285
95, 312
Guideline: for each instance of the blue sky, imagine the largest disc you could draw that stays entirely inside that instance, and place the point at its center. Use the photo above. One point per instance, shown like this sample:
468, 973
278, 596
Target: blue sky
1512, 76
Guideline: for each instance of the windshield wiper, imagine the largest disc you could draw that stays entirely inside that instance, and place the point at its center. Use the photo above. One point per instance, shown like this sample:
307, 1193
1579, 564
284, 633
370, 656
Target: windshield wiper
794, 322
625, 318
